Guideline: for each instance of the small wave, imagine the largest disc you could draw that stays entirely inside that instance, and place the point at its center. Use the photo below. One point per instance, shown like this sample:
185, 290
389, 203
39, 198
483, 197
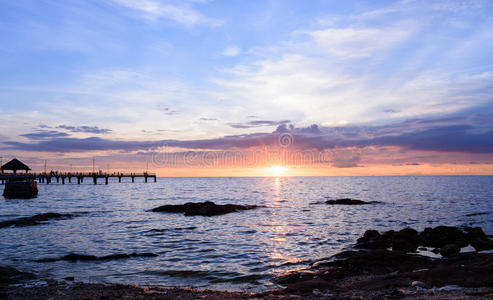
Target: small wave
169, 229
212, 276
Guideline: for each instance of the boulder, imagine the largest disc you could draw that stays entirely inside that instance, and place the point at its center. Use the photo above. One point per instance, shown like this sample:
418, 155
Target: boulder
405, 240
207, 208
449, 250
373, 240
441, 236
478, 239
20, 190
347, 201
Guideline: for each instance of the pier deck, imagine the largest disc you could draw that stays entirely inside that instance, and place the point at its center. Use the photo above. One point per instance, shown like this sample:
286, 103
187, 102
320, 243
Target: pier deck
64, 177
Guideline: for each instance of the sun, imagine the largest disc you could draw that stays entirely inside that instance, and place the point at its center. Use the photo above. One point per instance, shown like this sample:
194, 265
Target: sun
277, 170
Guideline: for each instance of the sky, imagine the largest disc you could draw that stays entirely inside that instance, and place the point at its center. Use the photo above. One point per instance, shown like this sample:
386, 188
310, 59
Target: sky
248, 88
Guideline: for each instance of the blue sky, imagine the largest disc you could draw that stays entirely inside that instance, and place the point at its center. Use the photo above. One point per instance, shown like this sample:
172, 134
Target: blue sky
155, 70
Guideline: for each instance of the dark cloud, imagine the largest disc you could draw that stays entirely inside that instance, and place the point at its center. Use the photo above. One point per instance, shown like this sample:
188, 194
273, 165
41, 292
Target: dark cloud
45, 134
258, 123
85, 129
168, 111
442, 134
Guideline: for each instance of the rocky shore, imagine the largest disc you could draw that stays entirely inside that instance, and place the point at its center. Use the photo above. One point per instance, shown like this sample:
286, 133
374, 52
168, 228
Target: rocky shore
388, 265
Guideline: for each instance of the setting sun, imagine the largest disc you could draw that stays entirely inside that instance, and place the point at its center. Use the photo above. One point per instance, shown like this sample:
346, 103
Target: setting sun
277, 170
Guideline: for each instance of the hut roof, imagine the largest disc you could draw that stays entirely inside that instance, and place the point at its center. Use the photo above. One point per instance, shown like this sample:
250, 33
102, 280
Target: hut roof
15, 165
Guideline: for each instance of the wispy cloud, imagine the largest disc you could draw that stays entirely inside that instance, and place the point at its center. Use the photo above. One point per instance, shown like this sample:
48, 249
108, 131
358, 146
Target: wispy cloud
182, 12
357, 68
258, 123
45, 134
85, 129
231, 51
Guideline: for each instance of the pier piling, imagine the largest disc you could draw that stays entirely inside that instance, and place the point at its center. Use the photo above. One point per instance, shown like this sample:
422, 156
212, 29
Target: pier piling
63, 177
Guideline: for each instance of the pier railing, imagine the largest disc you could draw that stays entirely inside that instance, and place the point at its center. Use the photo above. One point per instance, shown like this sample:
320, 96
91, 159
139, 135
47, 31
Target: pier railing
47, 177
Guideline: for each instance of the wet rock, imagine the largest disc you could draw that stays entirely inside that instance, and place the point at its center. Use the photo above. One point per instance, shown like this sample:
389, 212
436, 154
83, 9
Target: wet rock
482, 244
373, 240
73, 257
308, 286
441, 236
207, 208
35, 220
449, 250
20, 190
405, 240
358, 272
478, 239
352, 263
10, 275
347, 201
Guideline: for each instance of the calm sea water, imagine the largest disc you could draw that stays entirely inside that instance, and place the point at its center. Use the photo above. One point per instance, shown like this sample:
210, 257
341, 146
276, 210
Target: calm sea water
238, 251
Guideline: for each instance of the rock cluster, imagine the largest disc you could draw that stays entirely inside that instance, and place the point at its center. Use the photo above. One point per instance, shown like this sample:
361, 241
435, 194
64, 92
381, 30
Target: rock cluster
359, 272
445, 240
207, 208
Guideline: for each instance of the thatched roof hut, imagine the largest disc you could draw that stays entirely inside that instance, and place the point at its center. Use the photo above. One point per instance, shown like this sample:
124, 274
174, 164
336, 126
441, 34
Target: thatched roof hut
15, 165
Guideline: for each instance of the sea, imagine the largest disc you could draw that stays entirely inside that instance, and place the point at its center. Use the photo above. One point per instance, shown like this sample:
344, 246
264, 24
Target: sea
242, 251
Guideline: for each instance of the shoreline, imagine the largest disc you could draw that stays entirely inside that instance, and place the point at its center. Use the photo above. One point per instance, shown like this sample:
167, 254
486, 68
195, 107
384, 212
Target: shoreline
371, 270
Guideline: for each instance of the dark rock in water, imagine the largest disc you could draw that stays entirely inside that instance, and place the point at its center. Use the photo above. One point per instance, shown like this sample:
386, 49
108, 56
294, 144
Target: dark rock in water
441, 236
474, 233
477, 214
449, 250
35, 220
408, 240
405, 240
478, 239
351, 274
73, 257
373, 240
347, 201
10, 275
355, 263
207, 208
482, 244
20, 190
371, 234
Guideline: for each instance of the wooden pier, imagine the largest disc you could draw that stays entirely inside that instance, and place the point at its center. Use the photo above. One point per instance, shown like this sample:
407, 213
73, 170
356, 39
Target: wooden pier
66, 177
